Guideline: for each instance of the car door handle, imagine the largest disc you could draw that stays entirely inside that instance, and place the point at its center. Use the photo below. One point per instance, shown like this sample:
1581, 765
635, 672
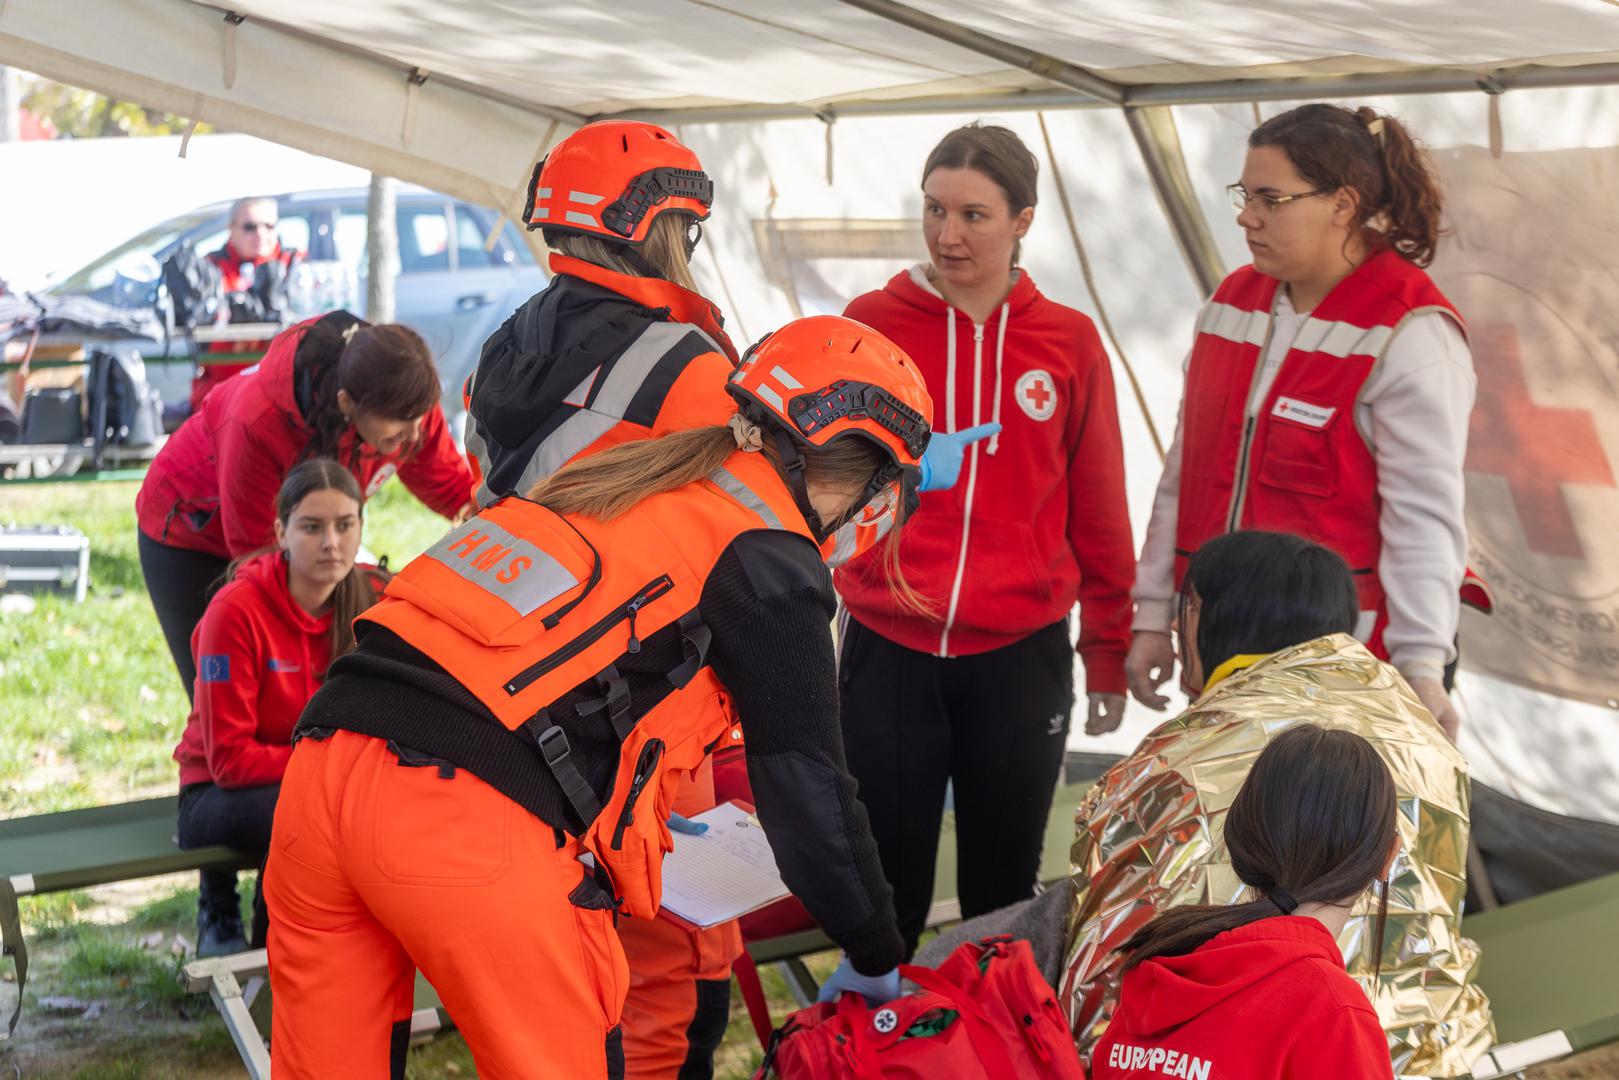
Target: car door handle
471, 301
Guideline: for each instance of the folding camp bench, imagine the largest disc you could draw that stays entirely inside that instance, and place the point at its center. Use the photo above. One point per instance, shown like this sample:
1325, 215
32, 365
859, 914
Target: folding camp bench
240, 991
79, 848
1551, 968
788, 949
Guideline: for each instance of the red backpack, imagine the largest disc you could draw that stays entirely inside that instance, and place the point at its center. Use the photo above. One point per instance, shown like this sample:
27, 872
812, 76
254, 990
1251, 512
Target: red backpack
986, 1012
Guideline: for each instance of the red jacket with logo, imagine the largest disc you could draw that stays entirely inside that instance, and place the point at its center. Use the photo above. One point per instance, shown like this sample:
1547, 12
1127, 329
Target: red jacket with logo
1038, 520
1266, 1001
1300, 465
237, 274
260, 658
212, 487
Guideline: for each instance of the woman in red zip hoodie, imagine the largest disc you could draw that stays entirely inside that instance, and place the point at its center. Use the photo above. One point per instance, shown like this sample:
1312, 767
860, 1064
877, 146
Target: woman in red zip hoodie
1258, 990
330, 387
261, 650
980, 692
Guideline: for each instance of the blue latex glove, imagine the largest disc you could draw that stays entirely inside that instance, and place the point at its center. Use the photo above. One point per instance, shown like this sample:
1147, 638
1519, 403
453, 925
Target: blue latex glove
680, 823
876, 989
941, 461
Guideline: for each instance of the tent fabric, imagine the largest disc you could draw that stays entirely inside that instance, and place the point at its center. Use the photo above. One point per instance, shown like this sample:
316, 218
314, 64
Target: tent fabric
497, 73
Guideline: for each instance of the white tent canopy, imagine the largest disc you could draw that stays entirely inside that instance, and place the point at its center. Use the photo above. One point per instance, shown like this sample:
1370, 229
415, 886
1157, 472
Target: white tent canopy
346, 80
805, 112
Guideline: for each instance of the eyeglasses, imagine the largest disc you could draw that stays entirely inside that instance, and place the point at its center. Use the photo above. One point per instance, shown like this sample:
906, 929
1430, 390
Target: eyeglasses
255, 226
1241, 198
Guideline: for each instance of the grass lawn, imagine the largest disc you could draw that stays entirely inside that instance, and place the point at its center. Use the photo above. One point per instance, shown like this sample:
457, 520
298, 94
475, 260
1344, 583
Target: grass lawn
92, 709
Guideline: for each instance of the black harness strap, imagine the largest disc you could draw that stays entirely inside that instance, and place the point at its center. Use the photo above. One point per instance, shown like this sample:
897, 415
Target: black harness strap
558, 755
695, 638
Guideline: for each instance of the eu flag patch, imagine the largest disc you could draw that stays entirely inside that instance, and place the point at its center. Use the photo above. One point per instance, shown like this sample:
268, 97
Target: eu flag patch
213, 667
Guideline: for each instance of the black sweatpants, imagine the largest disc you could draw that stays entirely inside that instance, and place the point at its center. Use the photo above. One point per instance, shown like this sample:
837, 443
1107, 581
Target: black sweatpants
180, 582
239, 818
995, 723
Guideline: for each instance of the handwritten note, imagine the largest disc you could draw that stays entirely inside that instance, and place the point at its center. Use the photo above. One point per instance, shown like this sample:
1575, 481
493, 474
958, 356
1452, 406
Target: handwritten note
725, 873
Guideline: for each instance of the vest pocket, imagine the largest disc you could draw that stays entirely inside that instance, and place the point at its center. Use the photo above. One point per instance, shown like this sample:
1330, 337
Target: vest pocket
1299, 457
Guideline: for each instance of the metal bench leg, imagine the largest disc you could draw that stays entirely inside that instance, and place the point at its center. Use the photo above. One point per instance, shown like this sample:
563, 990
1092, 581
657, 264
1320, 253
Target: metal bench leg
800, 983
228, 999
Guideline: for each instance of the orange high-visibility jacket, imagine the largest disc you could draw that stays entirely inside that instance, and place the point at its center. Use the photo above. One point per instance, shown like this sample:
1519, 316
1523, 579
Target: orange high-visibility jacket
522, 605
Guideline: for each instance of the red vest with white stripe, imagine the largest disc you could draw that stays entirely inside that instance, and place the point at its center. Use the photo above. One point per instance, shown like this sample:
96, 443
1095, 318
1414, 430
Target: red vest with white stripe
1300, 465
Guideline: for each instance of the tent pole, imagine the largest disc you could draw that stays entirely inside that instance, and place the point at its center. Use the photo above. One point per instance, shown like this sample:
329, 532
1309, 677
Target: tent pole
1047, 67
1160, 146
1302, 88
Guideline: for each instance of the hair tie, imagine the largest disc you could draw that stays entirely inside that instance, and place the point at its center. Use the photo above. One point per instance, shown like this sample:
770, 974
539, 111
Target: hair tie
1284, 900
749, 439
348, 334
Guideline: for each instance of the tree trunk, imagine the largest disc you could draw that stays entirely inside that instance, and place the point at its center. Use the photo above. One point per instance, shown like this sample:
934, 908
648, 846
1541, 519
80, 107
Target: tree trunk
381, 250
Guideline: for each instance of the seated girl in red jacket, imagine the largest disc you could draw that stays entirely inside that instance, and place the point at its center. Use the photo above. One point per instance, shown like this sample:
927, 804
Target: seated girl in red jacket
1259, 990
261, 651
337, 387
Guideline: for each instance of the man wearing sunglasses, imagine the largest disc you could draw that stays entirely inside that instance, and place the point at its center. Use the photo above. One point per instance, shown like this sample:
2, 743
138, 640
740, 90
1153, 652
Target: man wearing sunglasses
254, 269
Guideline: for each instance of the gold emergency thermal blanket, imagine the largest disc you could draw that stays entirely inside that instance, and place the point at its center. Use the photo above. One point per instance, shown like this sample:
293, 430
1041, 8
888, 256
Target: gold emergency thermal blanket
1150, 837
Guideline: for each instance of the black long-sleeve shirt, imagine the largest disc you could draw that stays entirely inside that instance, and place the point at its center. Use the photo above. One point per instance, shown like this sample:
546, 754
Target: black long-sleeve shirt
768, 603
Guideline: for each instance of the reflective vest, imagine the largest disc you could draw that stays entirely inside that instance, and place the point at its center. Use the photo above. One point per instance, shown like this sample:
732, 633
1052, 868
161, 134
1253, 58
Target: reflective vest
669, 375
1299, 465
522, 605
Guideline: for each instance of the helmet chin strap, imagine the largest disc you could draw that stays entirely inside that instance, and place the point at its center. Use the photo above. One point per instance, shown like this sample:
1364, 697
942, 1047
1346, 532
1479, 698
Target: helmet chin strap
793, 462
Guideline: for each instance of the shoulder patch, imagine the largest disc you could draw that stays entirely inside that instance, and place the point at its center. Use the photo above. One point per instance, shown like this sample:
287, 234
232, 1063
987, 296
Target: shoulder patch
213, 668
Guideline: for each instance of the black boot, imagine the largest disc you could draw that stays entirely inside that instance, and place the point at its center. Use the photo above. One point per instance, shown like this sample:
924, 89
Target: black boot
219, 917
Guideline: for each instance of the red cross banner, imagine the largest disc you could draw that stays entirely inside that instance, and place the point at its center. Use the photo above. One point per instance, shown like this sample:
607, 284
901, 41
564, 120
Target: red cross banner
1533, 265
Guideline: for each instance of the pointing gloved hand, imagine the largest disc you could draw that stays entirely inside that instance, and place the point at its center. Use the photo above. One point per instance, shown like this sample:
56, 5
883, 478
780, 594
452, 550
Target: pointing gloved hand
680, 823
941, 461
876, 989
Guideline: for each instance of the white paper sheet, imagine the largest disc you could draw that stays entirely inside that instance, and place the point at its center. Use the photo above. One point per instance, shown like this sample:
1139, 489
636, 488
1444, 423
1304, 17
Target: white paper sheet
726, 872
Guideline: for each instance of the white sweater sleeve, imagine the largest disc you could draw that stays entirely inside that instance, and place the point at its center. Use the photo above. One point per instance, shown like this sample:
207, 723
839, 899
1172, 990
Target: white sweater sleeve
1419, 401
1154, 591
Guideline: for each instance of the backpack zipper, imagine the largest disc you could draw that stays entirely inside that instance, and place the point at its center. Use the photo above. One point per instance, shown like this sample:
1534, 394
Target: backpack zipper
628, 610
648, 760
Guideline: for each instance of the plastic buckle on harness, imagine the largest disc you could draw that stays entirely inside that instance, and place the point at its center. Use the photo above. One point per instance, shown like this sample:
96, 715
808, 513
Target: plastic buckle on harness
615, 699
695, 638
554, 748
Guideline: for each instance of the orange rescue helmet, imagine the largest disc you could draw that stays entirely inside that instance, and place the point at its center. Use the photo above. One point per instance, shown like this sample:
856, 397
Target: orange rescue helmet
611, 179
824, 378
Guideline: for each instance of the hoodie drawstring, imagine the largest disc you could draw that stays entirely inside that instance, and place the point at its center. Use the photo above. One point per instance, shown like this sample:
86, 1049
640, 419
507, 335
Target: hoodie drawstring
1000, 359
950, 369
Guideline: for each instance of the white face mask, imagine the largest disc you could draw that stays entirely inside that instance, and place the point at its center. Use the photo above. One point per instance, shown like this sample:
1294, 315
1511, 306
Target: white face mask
862, 532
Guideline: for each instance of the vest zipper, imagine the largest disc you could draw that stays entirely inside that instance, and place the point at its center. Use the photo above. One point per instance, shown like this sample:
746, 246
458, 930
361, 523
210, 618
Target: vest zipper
651, 754
645, 595
1239, 494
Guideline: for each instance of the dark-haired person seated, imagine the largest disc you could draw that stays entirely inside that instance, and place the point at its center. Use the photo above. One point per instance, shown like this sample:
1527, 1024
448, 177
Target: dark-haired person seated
1264, 636
261, 652
1257, 989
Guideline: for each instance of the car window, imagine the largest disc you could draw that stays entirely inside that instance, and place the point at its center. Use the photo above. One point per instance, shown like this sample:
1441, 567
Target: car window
514, 238
99, 274
424, 239
471, 231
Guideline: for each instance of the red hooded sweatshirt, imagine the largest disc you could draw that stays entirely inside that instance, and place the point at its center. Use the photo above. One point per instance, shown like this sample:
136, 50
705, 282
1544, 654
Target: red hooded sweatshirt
260, 658
1266, 1001
212, 487
1038, 520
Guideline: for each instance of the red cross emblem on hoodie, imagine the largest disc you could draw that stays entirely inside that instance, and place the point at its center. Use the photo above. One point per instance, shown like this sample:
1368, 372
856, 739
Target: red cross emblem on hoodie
1036, 394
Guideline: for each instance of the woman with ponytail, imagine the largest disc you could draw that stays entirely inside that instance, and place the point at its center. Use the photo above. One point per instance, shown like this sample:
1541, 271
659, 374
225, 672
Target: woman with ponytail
1327, 394
335, 387
261, 649
1258, 989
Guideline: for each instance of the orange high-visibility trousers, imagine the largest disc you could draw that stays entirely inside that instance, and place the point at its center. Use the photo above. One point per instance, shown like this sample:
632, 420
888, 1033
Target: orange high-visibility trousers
680, 979
376, 869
